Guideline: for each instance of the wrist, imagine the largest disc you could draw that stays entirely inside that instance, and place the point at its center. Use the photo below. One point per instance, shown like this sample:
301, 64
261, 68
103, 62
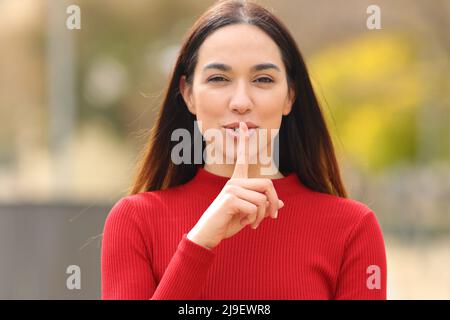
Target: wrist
196, 238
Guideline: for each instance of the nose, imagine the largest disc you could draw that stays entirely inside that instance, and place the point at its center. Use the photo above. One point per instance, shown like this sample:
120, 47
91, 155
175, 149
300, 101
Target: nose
241, 102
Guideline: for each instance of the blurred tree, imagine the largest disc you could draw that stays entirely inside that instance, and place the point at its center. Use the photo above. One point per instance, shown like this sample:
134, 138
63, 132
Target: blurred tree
374, 86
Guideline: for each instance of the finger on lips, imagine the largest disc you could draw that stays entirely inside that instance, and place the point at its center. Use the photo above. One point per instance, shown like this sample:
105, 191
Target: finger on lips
264, 186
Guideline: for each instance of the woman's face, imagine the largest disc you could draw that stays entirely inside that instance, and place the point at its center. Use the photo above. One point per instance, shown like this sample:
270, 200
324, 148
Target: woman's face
228, 86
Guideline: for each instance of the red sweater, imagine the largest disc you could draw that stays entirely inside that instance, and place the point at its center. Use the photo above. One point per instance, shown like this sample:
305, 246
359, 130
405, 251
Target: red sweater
320, 247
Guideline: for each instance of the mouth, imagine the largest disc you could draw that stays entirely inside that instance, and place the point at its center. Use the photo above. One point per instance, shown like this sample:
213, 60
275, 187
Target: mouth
235, 125
233, 131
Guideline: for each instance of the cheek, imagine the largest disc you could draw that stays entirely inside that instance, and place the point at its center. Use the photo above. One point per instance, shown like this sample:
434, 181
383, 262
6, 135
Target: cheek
270, 112
209, 108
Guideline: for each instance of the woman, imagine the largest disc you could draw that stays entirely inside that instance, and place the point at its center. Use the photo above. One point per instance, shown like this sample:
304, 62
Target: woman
183, 233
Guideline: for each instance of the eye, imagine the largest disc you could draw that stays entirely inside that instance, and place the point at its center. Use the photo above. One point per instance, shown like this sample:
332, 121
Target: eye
215, 79
267, 80
218, 79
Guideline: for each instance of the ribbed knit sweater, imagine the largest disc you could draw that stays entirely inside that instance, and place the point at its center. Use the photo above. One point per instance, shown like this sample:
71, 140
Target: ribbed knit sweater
320, 247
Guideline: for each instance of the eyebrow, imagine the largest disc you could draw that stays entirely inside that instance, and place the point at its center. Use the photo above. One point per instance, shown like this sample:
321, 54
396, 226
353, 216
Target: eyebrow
257, 67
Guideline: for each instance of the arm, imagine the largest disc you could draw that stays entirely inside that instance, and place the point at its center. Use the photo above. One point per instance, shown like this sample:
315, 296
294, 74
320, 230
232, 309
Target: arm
127, 267
363, 270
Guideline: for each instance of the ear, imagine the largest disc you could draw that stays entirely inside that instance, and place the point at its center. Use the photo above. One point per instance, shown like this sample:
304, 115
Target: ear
289, 102
186, 92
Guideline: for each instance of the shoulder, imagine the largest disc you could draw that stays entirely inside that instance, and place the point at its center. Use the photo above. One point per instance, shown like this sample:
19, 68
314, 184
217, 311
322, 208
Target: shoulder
148, 199
333, 203
345, 222
123, 212
343, 213
139, 206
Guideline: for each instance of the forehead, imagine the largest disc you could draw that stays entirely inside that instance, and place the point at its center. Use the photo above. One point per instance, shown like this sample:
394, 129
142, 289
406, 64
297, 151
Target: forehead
239, 44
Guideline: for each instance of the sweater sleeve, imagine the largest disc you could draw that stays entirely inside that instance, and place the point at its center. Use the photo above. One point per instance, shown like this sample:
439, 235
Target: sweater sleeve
363, 272
126, 267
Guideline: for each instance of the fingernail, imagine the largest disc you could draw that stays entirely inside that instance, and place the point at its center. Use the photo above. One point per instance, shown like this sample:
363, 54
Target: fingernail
276, 214
282, 203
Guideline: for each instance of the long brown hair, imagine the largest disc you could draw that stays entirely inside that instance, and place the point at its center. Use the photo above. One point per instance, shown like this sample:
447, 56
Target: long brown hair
305, 144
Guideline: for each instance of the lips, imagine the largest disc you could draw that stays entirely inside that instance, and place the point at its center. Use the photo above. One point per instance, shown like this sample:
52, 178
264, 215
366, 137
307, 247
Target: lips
233, 130
235, 125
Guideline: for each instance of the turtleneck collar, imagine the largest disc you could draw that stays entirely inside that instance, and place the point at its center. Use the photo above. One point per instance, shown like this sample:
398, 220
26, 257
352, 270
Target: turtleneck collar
210, 183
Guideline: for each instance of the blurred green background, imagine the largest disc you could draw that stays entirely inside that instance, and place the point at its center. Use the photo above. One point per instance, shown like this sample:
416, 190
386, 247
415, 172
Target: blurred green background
75, 106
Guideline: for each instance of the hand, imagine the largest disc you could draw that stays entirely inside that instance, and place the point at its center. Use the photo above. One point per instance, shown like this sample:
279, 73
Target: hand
241, 202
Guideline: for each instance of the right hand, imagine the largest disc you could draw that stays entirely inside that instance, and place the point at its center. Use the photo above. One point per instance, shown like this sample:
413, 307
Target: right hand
241, 202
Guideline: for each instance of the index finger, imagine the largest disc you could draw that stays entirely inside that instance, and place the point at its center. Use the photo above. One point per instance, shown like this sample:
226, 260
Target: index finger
241, 166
